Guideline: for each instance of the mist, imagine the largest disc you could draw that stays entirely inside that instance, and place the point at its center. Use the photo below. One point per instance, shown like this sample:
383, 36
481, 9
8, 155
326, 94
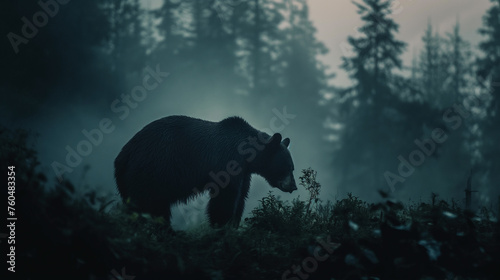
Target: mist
219, 59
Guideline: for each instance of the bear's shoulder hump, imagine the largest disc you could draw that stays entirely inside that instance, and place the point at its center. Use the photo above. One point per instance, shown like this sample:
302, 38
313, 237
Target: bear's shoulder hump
234, 122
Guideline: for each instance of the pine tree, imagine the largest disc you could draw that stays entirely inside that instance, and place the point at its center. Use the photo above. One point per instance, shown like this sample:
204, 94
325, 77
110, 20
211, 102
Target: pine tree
261, 45
460, 65
489, 64
433, 68
126, 40
305, 75
366, 131
489, 79
169, 29
304, 78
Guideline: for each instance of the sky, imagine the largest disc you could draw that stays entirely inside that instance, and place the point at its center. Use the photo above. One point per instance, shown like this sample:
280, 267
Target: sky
335, 20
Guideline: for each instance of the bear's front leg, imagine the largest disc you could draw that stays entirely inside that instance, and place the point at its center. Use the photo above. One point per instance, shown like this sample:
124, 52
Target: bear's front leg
222, 206
240, 199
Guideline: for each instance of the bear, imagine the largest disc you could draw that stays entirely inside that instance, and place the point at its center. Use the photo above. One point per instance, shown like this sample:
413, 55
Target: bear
175, 158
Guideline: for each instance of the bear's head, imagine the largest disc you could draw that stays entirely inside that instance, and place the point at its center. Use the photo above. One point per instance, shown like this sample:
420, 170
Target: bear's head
278, 165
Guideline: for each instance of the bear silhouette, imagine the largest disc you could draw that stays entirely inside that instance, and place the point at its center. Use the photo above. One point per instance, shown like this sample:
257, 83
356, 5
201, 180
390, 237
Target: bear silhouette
174, 158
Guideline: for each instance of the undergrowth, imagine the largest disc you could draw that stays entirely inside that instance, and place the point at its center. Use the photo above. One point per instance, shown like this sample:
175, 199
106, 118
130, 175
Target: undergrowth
62, 234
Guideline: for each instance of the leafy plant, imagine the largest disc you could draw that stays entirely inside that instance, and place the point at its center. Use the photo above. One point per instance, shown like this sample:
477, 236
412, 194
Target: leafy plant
308, 181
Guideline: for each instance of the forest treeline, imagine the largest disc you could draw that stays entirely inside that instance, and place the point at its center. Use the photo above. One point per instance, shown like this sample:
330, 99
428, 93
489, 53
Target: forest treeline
393, 122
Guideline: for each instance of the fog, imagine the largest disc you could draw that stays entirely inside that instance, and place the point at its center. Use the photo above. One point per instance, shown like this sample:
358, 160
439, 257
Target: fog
61, 125
81, 64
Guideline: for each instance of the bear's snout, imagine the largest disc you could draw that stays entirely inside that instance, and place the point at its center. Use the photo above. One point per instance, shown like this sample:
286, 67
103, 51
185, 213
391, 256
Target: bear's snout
288, 185
293, 188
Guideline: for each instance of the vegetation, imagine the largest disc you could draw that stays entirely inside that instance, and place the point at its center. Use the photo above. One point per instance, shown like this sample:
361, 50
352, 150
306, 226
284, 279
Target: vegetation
79, 237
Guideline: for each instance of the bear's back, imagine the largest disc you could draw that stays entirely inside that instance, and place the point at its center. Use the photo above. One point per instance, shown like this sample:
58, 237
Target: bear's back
236, 125
175, 138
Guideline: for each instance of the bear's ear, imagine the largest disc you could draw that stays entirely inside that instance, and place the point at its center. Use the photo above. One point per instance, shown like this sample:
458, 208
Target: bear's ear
286, 142
274, 142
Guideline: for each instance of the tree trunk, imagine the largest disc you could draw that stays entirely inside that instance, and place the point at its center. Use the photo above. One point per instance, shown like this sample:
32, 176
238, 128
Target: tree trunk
256, 47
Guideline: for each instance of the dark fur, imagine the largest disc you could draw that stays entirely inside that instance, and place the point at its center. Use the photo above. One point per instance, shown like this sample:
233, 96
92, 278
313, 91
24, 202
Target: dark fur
170, 157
